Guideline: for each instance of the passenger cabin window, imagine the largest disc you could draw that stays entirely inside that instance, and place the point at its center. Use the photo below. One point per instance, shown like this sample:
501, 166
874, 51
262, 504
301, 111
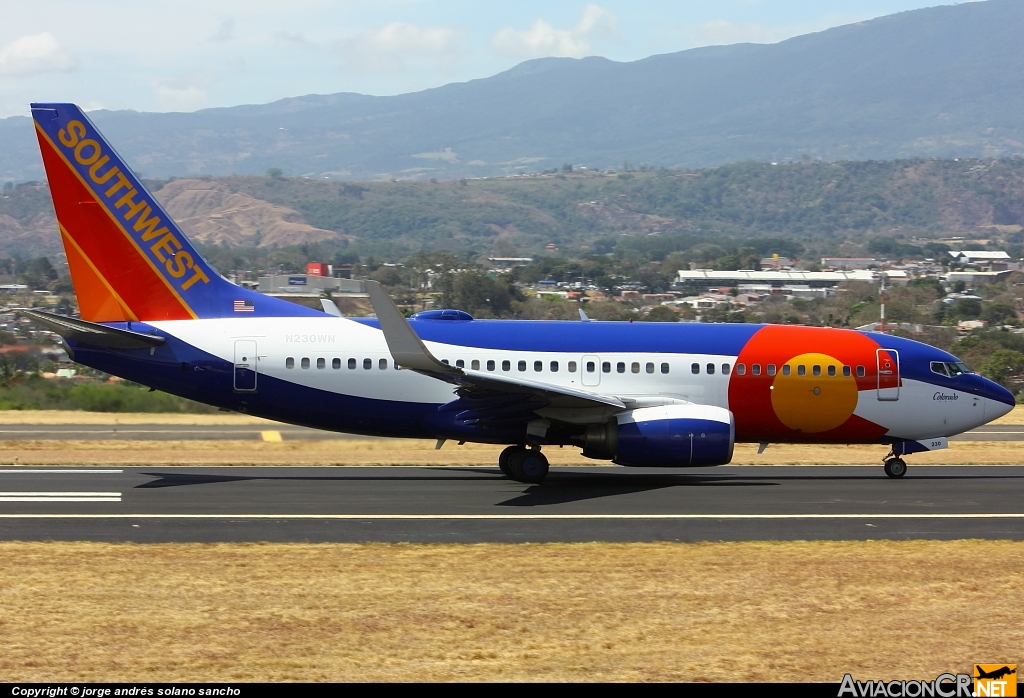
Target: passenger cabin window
741, 369
860, 371
335, 363
816, 370
634, 367
475, 365
711, 369
490, 364
755, 369
459, 363
351, 363
606, 366
650, 367
368, 363
591, 367
695, 368
620, 367
787, 369
383, 364
554, 367
289, 362
831, 370
801, 370
506, 365
725, 369
305, 363
321, 363
571, 368
538, 366
846, 371
522, 366
664, 368
771, 370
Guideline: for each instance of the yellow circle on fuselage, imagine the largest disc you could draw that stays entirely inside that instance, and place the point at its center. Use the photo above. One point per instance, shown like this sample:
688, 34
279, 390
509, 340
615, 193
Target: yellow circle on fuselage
813, 403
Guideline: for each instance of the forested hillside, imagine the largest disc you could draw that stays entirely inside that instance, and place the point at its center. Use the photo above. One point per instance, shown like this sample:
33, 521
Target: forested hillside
824, 208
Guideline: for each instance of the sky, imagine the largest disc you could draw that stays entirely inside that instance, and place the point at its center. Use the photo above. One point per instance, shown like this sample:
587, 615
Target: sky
192, 54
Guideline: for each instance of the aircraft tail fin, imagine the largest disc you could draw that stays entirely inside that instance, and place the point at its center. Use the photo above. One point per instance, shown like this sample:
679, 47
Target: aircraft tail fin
129, 260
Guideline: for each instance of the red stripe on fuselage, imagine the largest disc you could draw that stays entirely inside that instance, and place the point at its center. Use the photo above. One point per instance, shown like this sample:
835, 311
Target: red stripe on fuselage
750, 396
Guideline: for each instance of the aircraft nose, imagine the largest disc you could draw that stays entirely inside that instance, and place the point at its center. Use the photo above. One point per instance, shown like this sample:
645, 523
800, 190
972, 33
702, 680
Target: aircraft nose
1000, 400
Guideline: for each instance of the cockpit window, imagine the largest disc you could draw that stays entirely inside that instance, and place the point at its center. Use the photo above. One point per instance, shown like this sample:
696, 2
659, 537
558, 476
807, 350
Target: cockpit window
949, 368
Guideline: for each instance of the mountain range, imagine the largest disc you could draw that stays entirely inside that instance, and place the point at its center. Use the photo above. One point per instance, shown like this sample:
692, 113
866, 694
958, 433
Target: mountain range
938, 82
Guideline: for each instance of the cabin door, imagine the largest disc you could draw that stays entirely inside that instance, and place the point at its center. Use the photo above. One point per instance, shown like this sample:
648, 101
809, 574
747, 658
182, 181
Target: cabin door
888, 374
245, 366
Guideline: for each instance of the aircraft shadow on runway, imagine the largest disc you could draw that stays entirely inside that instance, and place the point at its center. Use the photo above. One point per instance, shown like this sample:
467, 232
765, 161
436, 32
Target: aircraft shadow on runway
559, 488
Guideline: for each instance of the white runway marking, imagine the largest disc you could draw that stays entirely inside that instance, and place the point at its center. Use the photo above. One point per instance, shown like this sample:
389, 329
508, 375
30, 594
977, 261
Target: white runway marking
60, 496
53, 470
422, 517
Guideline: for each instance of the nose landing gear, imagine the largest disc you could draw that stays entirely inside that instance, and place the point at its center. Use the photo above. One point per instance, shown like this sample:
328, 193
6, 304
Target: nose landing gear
895, 467
523, 464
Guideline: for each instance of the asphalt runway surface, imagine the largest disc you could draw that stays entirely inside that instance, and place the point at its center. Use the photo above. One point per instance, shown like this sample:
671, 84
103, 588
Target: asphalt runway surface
477, 504
174, 432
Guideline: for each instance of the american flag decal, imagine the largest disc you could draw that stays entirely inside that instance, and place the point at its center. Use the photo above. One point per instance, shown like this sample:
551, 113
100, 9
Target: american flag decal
244, 306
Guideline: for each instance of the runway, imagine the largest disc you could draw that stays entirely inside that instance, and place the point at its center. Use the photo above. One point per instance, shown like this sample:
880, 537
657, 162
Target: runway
218, 432
477, 504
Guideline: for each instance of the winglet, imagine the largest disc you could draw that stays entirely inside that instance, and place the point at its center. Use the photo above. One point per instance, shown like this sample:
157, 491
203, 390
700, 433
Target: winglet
583, 316
407, 349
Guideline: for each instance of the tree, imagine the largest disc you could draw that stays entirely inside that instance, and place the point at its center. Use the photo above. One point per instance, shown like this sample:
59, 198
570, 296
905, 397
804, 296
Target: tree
661, 313
1002, 365
275, 172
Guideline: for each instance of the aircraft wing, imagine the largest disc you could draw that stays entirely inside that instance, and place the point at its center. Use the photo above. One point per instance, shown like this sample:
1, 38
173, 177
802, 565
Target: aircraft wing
408, 351
91, 332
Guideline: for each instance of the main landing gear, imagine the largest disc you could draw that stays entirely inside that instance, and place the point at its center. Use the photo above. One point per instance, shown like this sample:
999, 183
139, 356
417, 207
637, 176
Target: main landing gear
895, 467
523, 464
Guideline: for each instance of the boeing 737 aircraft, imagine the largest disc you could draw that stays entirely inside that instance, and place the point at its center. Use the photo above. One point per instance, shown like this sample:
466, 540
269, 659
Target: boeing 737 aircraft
638, 394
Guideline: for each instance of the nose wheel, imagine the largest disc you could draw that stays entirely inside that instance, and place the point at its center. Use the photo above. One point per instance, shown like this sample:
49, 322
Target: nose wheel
895, 467
523, 464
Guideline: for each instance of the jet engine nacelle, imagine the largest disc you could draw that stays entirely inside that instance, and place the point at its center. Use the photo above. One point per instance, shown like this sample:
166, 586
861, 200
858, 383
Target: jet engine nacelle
667, 436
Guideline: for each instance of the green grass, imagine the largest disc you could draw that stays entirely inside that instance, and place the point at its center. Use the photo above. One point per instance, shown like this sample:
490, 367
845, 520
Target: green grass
36, 393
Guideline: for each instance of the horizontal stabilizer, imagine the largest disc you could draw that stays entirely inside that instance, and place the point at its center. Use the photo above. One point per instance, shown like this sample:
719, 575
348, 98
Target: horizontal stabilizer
90, 332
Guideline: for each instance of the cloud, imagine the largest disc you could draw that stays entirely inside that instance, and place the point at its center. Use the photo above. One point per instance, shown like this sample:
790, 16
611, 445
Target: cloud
186, 93
225, 32
721, 32
542, 39
35, 54
394, 46
294, 38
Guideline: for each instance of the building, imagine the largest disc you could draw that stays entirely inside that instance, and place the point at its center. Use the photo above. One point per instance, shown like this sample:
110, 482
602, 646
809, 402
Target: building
299, 285
976, 278
986, 260
776, 280
849, 262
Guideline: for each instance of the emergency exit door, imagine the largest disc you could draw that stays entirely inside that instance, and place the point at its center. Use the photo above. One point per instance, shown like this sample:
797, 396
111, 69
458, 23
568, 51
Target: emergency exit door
888, 361
245, 366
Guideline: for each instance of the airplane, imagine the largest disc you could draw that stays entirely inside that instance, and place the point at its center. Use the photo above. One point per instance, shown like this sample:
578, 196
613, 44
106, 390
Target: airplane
153, 311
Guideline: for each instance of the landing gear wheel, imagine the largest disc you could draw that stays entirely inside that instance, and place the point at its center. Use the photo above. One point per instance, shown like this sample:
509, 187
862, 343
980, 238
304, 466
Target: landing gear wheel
895, 467
504, 457
528, 465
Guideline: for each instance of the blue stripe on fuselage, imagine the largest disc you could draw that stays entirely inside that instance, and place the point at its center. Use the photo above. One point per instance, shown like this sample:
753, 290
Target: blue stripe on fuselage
585, 337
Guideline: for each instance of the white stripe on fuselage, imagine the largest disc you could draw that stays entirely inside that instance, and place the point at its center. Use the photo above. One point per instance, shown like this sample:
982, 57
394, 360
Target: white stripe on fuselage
278, 339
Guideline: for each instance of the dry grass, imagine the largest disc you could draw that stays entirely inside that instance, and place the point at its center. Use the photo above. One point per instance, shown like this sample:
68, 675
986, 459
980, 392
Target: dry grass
1015, 416
803, 611
418, 452
15, 417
